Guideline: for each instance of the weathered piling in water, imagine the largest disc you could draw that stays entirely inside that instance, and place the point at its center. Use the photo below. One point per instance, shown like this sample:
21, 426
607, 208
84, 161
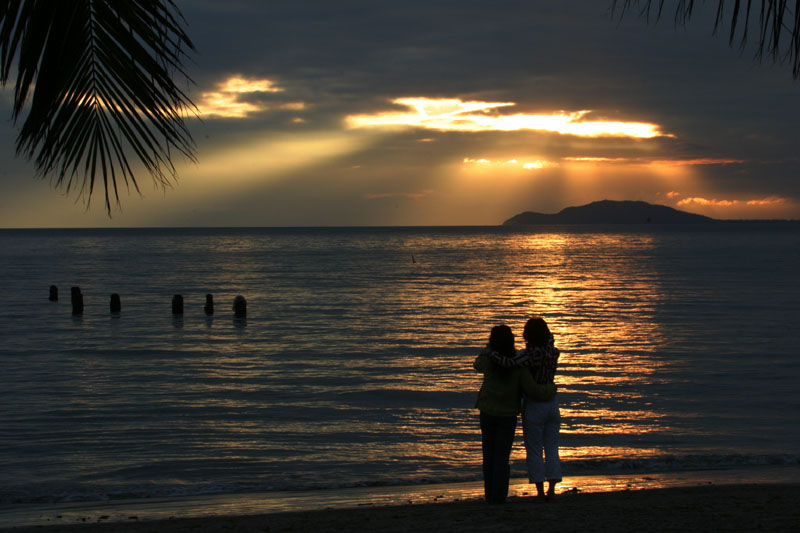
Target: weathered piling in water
239, 307
209, 307
116, 303
53, 293
77, 300
177, 304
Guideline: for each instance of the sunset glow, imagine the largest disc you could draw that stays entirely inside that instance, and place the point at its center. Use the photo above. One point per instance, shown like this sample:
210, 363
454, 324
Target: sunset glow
286, 106
450, 114
400, 265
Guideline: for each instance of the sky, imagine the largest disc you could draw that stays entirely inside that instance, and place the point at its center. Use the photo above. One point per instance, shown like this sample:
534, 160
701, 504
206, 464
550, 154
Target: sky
417, 113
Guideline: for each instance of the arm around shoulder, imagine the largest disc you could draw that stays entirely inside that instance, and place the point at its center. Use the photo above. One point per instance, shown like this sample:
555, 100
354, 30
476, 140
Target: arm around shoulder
535, 391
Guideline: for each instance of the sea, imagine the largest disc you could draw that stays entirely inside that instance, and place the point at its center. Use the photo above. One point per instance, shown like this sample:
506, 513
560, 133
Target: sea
352, 369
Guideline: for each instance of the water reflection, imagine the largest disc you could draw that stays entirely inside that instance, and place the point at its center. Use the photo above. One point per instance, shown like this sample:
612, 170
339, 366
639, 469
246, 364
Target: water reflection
356, 363
599, 294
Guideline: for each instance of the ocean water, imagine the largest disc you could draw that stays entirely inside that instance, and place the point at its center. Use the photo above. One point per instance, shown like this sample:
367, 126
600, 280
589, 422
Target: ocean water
680, 352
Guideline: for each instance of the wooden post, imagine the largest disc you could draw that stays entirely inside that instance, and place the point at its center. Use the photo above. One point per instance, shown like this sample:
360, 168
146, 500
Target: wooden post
53, 293
177, 304
116, 304
209, 307
239, 307
77, 301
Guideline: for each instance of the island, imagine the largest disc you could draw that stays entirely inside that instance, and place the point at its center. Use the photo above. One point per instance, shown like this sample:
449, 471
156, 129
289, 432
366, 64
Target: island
610, 212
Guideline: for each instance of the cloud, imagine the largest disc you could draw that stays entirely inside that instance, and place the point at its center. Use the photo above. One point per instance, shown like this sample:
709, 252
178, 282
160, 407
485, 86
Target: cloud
706, 202
770, 207
772, 201
768, 201
238, 84
599, 159
699, 161
657, 162
411, 195
536, 164
450, 114
233, 98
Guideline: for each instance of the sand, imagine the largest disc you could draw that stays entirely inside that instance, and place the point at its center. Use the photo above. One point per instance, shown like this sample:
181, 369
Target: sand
746, 507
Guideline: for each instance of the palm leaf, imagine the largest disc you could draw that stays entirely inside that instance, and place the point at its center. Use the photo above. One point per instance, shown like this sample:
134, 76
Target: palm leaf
98, 78
778, 23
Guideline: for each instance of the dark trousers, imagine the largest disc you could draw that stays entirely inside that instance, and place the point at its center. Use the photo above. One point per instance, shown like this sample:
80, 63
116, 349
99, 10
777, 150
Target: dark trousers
497, 436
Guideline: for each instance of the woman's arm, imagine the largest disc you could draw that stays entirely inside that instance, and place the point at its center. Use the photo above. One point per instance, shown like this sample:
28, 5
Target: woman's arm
522, 358
535, 391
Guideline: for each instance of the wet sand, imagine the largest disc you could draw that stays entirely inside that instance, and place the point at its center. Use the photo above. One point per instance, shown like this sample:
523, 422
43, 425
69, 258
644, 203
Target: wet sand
743, 507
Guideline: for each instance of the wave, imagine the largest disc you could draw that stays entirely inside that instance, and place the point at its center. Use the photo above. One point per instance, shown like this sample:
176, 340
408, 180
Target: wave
677, 463
74, 492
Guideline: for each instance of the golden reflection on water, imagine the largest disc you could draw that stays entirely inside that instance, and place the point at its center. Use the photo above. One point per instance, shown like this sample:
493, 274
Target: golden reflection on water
599, 294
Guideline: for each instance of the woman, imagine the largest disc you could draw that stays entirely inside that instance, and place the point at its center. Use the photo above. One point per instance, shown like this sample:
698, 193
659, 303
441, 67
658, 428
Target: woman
541, 419
499, 403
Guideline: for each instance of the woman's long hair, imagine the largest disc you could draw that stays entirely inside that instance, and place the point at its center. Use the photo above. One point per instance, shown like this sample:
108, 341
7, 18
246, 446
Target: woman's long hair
501, 340
536, 332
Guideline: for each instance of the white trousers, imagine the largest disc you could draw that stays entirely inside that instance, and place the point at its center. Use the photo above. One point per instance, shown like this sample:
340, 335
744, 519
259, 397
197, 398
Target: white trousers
541, 422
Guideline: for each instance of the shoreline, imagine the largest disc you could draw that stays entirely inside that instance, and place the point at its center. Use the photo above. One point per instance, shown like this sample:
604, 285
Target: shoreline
737, 507
114, 514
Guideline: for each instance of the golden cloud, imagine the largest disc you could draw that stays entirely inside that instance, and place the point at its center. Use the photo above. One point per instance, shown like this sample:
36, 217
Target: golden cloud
768, 201
536, 164
451, 114
771, 201
599, 159
238, 84
227, 101
706, 201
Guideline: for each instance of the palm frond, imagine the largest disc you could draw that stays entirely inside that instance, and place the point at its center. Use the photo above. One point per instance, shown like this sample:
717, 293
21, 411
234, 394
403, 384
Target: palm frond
778, 23
98, 75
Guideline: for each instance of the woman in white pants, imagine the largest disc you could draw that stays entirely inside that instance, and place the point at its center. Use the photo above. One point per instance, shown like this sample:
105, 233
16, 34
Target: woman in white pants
540, 425
541, 420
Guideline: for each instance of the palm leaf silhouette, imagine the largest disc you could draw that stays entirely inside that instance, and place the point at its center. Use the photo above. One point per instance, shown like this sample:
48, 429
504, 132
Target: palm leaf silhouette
98, 75
778, 23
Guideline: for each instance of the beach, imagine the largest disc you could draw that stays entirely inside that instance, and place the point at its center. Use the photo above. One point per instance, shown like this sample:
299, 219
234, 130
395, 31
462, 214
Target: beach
741, 507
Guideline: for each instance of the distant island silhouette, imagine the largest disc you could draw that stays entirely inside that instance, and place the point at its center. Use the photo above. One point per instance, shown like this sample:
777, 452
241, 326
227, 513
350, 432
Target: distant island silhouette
611, 212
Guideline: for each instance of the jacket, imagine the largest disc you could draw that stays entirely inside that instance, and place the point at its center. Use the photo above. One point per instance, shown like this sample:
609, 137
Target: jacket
502, 389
